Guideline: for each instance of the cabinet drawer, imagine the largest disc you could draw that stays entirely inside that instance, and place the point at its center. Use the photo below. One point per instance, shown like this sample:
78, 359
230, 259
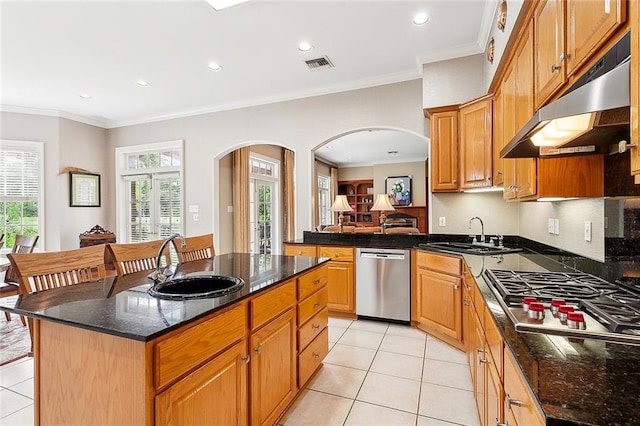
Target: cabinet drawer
312, 305
272, 303
299, 250
494, 339
311, 358
522, 403
445, 264
183, 352
341, 254
312, 328
312, 281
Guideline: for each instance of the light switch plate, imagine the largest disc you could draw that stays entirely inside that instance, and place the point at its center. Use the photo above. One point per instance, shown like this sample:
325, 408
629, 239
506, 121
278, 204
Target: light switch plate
587, 231
442, 221
551, 226
556, 226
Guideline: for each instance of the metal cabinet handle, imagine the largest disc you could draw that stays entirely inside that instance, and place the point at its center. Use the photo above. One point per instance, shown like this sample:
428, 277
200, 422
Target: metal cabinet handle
258, 350
316, 326
315, 305
483, 361
469, 287
246, 359
316, 355
299, 252
479, 351
515, 402
456, 287
316, 281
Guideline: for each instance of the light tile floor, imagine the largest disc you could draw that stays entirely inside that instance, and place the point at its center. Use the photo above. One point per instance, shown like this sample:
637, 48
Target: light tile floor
375, 374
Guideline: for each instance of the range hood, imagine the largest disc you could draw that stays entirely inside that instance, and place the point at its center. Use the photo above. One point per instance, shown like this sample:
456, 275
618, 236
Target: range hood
586, 120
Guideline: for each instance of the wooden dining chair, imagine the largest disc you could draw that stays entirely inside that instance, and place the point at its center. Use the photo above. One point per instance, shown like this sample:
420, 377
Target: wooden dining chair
134, 257
9, 286
47, 270
195, 248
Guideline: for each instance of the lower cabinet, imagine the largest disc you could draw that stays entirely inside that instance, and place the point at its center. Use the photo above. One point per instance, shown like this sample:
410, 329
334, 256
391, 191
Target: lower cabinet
224, 380
519, 405
341, 281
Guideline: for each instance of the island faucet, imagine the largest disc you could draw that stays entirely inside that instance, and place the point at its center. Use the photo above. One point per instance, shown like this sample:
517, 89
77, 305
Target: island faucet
481, 227
159, 274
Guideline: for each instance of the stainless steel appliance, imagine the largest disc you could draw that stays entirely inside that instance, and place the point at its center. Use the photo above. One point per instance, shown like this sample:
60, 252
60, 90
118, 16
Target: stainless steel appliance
604, 310
383, 283
396, 220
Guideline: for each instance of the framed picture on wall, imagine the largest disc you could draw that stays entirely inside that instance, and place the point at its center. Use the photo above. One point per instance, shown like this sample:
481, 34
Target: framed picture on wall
84, 189
398, 188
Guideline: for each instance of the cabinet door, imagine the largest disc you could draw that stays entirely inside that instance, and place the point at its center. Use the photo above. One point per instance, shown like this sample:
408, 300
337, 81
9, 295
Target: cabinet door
634, 15
273, 369
550, 72
439, 302
341, 297
518, 398
498, 138
299, 250
493, 396
476, 152
444, 151
508, 92
215, 394
589, 25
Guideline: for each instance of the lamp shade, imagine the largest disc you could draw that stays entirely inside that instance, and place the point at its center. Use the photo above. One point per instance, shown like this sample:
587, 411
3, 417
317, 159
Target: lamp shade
382, 203
340, 204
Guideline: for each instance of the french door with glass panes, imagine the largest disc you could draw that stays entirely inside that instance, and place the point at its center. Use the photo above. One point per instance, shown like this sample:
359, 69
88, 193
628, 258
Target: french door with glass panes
154, 208
263, 213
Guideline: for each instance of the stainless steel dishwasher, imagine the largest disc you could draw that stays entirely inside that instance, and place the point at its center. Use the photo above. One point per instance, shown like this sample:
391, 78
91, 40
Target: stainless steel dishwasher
383, 283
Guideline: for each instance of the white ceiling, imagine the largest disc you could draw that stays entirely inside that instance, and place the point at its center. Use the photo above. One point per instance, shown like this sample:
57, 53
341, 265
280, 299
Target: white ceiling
53, 51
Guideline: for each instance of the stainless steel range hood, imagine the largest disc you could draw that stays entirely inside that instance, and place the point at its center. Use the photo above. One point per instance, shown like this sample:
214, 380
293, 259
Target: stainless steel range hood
586, 120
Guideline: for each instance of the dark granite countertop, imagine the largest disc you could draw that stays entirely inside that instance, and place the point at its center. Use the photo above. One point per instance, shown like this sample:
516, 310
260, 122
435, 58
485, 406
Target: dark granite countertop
121, 305
588, 382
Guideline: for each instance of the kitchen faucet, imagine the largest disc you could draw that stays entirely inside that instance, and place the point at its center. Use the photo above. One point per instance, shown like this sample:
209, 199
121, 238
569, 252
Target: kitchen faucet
159, 274
481, 227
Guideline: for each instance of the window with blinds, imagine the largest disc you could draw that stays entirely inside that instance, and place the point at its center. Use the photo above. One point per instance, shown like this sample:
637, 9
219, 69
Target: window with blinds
20, 189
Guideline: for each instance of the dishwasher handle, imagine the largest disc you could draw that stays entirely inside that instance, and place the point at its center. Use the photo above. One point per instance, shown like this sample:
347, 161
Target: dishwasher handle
389, 256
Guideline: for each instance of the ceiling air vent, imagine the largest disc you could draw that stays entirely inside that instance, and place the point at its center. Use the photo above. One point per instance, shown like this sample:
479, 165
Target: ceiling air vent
319, 63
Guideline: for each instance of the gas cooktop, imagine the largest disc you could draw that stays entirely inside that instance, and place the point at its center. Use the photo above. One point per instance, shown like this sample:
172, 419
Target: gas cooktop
603, 310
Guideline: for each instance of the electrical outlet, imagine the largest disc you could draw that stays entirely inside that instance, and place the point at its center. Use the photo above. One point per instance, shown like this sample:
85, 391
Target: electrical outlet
196, 217
551, 226
556, 226
442, 221
587, 231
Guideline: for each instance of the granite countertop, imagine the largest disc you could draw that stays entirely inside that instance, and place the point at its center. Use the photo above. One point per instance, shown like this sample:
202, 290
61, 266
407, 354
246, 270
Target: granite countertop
121, 305
587, 382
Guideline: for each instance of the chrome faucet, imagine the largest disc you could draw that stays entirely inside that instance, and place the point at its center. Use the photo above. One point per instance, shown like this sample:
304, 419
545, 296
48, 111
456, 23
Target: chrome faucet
159, 274
481, 227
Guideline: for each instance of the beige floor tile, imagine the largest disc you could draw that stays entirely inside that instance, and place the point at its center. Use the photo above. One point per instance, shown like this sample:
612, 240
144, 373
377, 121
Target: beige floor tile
448, 404
11, 402
439, 350
398, 365
335, 333
429, 421
24, 388
361, 338
403, 345
24, 417
371, 415
317, 408
368, 325
338, 380
339, 322
447, 374
350, 356
16, 372
392, 392
406, 331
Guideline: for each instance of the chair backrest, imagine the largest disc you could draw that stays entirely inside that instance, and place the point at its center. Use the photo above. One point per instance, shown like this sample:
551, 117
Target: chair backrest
336, 228
23, 244
402, 230
134, 257
196, 248
46, 270
367, 230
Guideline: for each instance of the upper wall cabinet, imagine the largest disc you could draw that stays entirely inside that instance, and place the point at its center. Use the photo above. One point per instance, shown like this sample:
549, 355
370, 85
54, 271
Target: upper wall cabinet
476, 143
444, 148
561, 50
634, 14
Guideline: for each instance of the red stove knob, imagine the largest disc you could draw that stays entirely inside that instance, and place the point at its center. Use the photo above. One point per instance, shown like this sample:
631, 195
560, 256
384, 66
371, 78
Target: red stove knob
575, 320
563, 310
555, 304
526, 301
536, 310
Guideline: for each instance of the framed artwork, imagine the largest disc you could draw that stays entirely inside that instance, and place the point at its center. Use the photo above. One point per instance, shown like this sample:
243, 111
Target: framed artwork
398, 188
84, 189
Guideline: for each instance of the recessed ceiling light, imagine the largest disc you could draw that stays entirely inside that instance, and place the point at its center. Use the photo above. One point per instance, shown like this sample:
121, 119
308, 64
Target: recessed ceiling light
143, 83
214, 67
85, 96
305, 46
421, 18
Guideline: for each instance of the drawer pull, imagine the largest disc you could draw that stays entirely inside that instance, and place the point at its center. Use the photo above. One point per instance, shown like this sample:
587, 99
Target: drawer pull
316, 281
246, 359
316, 355
515, 402
315, 305
299, 252
456, 287
483, 361
316, 326
479, 351
258, 350
335, 254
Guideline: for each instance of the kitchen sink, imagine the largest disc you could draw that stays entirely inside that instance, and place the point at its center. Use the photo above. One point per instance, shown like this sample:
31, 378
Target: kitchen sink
196, 286
469, 248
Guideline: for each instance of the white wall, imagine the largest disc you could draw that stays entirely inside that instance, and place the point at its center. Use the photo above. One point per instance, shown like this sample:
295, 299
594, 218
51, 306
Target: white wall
454, 81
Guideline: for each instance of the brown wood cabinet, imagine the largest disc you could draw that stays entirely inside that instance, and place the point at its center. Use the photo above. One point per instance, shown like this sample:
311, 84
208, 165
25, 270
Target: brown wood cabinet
519, 403
476, 153
444, 148
300, 250
550, 72
360, 196
437, 289
634, 18
341, 279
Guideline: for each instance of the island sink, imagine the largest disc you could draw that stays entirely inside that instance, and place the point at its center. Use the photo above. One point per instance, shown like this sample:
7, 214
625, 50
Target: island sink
196, 285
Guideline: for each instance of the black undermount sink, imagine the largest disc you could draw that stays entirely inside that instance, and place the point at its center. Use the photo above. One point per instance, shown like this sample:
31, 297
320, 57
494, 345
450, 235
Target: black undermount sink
469, 248
196, 286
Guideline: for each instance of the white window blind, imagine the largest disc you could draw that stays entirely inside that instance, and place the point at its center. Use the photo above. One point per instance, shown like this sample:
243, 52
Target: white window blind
20, 170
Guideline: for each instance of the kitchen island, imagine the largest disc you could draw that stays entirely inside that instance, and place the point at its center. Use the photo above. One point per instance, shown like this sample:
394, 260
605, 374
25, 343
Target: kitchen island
109, 353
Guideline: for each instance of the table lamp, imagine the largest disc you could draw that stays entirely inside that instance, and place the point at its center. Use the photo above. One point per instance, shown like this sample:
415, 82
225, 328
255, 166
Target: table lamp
340, 204
382, 205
